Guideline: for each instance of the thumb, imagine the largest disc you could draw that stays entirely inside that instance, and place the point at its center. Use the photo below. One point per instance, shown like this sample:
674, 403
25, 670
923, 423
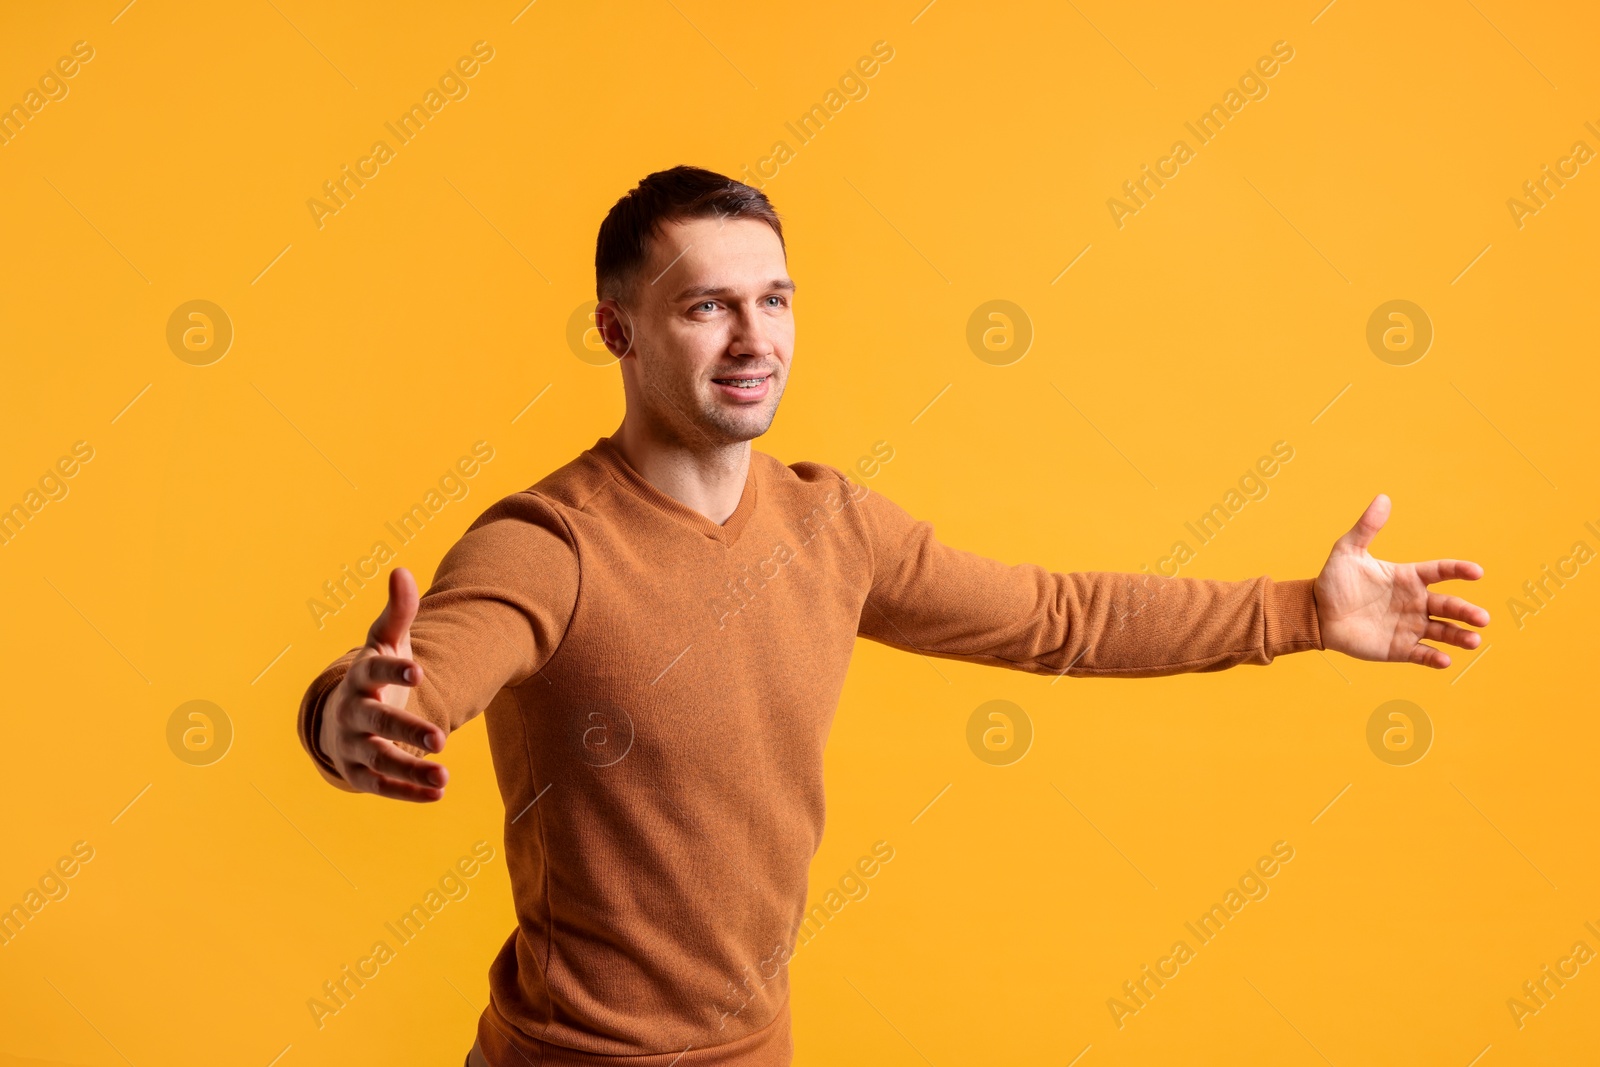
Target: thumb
1367, 527
394, 623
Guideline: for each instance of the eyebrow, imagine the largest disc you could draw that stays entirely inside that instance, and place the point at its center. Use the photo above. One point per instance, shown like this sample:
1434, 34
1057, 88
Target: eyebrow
722, 290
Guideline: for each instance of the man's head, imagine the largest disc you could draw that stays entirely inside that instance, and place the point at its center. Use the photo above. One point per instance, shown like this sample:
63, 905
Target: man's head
692, 277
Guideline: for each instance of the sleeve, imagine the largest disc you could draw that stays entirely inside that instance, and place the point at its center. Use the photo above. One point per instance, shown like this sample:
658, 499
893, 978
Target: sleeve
928, 597
496, 612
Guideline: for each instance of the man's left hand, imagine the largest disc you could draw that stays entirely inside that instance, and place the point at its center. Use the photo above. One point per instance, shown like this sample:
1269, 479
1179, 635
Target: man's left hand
1372, 609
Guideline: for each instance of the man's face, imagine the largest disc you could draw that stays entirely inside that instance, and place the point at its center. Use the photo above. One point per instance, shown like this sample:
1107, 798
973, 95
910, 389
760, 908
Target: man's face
709, 331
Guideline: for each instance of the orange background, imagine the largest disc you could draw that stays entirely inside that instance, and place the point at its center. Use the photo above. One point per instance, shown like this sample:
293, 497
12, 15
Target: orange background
427, 314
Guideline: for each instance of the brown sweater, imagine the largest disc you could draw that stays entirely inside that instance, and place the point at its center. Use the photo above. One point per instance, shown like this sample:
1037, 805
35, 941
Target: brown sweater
658, 690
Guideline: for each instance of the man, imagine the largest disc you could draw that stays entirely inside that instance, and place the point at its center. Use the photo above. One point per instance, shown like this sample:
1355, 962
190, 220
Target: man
658, 633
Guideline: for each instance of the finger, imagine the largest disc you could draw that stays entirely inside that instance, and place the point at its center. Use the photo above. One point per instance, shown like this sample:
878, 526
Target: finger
391, 762
1442, 606
394, 622
369, 781
375, 717
1444, 570
1368, 525
1452, 635
1428, 656
370, 673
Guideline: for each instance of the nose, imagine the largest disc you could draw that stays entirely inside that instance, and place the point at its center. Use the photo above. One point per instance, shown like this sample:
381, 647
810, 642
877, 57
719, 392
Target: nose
752, 335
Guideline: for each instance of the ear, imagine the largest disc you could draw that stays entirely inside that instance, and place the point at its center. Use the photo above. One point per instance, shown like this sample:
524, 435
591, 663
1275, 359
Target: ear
615, 326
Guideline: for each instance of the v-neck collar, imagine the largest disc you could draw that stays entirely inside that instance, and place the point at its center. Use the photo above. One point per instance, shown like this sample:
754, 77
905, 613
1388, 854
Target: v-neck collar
727, 533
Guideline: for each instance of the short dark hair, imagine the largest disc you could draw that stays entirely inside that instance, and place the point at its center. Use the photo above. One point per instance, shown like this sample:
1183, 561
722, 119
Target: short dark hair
678, 194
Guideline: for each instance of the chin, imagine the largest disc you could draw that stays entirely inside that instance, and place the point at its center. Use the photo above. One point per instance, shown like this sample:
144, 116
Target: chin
741, 425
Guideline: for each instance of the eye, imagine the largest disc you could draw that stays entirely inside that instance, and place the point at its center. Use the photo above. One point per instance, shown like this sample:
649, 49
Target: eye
706, 306
781, 301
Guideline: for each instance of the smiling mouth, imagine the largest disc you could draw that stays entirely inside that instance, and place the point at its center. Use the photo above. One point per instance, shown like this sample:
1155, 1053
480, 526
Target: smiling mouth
743, 383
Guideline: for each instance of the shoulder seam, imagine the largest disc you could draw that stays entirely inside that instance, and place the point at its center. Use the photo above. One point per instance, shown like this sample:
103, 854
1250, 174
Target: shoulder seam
866, 522
609, 479
577, 555
558, 509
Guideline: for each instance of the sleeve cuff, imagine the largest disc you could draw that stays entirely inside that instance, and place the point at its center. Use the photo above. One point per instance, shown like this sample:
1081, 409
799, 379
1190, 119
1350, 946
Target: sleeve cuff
1292, 624
310, 727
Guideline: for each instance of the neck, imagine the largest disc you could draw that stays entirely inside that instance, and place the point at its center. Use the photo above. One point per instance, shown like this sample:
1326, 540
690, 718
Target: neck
698, 474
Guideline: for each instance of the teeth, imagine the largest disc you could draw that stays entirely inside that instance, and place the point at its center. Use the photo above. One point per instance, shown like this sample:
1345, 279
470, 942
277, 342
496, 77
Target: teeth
742, 383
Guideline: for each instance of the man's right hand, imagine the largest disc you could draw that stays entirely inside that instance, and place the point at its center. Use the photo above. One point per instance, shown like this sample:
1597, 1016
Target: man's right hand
365, 714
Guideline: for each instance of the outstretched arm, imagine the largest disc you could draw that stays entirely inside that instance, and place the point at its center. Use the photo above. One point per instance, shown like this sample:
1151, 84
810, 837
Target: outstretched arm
497, 609
929, 597
932, 598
